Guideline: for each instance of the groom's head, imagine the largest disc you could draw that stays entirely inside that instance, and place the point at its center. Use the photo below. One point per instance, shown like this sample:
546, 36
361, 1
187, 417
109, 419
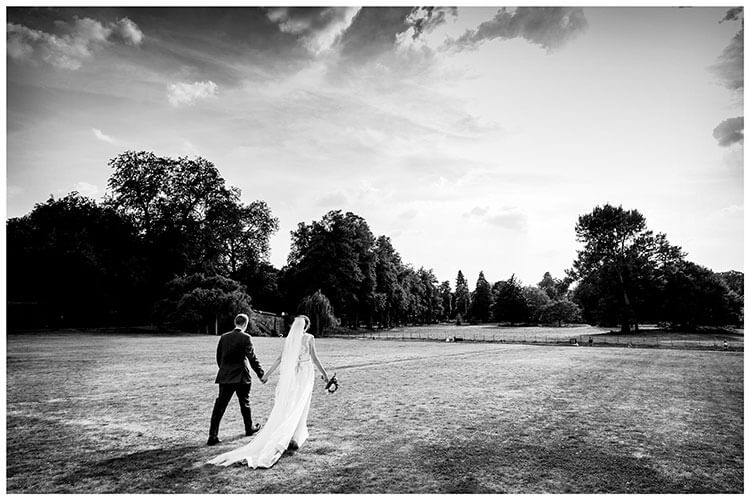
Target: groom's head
241, 321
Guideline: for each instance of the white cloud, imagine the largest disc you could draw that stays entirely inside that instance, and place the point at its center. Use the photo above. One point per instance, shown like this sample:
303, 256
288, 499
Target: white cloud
408, 214
317, 28
333, 200
477, 211
72, 46
189, 93
83, 188
86, 189
102, 136
128, 31
508, 218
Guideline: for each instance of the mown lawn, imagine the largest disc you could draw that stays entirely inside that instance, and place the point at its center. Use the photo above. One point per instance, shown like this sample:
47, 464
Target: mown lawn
129, 414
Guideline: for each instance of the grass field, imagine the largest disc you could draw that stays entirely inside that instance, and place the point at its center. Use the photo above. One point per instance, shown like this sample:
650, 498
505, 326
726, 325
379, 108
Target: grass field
129, 414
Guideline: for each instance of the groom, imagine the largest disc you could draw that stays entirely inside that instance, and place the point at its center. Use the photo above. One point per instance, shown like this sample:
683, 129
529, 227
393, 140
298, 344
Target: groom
235, 356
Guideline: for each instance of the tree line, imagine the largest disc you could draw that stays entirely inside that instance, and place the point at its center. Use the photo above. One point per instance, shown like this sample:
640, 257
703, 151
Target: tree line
172, 245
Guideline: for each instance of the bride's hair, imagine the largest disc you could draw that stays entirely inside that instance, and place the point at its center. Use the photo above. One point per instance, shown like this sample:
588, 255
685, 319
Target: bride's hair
307, 322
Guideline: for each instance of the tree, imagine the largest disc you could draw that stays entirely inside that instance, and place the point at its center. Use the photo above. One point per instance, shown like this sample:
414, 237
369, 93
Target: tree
387, 268
560, 311
318, 308
463, 298
239, 235
735, 281
509, 303
204, 302
335, 255
553, 287
446, 296
536, 300
187, 216
482, 300
617, 262
72, 262
261, 280
695, 296
431, 305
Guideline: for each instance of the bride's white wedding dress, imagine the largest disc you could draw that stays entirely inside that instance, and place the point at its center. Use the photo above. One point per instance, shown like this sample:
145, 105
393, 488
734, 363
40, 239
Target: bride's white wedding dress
288, 418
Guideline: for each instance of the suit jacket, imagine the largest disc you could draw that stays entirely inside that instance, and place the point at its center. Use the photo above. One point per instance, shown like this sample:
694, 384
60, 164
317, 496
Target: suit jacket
235, 356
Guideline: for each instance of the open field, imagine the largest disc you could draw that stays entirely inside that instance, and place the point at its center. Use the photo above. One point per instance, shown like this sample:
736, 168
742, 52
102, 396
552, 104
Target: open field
647, 337
129, 414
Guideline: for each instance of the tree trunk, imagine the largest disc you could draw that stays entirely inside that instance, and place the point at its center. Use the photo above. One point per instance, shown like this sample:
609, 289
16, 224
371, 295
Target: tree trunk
216, 324
625, 328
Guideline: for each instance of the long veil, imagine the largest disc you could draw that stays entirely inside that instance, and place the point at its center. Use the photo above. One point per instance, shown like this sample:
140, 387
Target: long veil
289, 357
274, 437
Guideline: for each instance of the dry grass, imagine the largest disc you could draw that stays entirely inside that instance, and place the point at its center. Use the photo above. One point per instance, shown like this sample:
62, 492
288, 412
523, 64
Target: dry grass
129, 414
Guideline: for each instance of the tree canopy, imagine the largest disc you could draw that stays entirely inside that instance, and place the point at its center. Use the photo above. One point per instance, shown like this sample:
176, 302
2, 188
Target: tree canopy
173, 243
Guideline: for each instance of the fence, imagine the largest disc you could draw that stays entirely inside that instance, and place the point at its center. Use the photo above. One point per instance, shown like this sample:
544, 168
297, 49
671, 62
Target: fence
645, 341
270, 324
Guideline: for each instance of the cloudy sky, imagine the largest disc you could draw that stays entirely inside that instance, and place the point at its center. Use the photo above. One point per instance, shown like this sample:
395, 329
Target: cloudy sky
473, 137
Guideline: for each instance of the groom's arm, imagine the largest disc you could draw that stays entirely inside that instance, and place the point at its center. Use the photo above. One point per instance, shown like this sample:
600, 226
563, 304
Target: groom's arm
254, 363
218, 353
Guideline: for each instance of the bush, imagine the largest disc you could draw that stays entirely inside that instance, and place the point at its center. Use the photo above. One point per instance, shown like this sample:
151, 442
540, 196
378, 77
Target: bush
560, 311
318, 308
204, 302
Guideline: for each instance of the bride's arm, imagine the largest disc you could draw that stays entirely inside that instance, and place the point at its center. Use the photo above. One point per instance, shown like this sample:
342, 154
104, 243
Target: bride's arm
315, 359
271, 370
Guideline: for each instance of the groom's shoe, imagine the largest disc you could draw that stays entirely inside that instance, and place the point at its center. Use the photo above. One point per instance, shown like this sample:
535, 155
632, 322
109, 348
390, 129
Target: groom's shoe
252, 430
213, 440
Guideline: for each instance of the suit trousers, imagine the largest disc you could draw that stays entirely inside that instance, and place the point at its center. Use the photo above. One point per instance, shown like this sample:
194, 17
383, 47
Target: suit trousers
225, 395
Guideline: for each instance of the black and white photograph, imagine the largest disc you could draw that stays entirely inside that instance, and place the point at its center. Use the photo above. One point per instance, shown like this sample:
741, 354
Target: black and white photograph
297, 249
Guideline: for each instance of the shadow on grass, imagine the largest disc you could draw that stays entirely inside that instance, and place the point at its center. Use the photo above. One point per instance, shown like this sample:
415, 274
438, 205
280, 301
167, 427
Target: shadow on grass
160, 470
484, 467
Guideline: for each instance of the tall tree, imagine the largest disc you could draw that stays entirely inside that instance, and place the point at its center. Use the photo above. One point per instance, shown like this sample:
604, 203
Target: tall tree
72, 262
335, 255
387, 268
446, 296
463, 298
548, 285
618, 255
553, 287
429, 298
187, 215
481, 300
509, 303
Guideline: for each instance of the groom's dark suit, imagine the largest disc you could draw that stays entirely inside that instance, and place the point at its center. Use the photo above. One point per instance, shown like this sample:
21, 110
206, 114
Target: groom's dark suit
235, 356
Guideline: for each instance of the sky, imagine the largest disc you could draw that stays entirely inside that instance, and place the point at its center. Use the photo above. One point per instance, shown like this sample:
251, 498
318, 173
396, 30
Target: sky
473, 137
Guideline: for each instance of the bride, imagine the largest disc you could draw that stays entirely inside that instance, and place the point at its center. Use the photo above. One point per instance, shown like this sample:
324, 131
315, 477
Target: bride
286, 426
